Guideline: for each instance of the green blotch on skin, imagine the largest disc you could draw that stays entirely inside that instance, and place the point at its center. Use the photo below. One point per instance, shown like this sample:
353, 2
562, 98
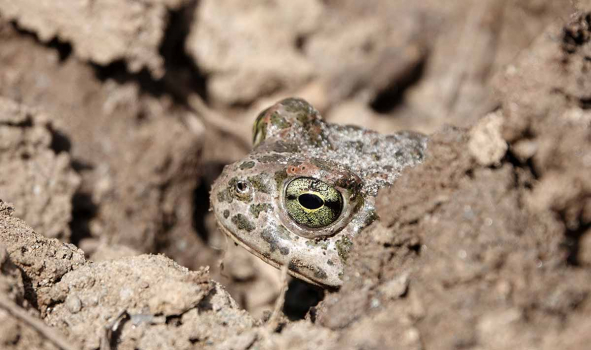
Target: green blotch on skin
247, 165
285, 147
257, 209
314, 243
357, 145
226, 213
242, 223
225, 195
284, 233
270, 236
341, 276
259, 184
304, 113
330, 263
293, 105
280, 176
343, 247
322, 164
303, 110
304, 119
370, 218
274, 158
278, 121
319, 273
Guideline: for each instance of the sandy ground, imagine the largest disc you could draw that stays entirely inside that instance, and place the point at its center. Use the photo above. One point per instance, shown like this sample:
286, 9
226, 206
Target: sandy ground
116, 117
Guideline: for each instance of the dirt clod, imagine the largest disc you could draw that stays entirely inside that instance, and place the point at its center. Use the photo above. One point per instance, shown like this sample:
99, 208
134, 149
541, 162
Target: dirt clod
117, 116
34, 177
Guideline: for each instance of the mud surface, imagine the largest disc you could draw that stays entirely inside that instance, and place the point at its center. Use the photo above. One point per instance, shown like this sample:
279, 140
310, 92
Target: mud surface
116, 117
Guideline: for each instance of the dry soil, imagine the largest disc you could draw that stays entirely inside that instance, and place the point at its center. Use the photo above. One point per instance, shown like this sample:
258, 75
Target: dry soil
116, 117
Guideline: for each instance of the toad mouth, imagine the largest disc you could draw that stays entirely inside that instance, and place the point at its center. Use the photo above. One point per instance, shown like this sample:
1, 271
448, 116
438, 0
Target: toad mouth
269, 261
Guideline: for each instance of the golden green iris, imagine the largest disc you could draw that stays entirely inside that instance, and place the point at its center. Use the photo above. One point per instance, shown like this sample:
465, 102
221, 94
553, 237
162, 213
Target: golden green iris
312, 203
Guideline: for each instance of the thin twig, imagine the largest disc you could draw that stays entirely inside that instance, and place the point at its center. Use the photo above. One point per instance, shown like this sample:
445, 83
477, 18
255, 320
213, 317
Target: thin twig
207, 115
277, 311
221, 264
110, 328
50, 333
218, 121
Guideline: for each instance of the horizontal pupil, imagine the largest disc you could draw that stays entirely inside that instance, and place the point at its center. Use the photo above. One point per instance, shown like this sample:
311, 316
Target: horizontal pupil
310, 201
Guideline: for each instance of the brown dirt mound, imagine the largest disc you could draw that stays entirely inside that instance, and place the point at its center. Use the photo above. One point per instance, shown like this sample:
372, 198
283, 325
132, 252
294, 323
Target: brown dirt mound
109, 142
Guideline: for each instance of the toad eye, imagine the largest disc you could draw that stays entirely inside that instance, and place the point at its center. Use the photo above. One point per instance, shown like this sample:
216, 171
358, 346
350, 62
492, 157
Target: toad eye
312, 203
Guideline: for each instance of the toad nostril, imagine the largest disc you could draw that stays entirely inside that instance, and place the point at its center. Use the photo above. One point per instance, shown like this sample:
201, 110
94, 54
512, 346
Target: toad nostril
241, 186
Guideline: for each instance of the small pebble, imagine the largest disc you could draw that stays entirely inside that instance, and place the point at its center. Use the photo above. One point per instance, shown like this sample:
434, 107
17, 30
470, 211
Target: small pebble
125, 294
375, 303
73, 304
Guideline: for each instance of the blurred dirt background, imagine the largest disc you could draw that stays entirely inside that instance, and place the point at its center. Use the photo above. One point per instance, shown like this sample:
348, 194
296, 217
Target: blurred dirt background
117, 115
